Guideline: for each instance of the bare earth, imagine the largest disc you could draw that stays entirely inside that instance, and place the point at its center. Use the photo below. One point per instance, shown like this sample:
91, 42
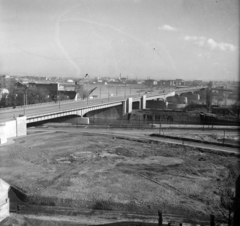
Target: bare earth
104, 172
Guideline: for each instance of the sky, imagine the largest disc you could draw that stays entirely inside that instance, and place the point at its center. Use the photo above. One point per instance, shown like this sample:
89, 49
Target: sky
157, 39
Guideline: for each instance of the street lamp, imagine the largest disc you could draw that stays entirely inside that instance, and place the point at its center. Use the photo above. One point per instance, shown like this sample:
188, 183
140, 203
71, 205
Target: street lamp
108, 93
58, 96
25, 98
15, 97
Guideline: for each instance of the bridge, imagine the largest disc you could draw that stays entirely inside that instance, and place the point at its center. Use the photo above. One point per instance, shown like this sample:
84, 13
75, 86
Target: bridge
40, 112
13, 121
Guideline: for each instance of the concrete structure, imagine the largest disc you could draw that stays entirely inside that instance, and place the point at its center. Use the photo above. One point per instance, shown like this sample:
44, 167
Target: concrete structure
4, 200
13, 128
176, 106
143, 102
129, 104
177, 99
191, 97
150, 82
124, 107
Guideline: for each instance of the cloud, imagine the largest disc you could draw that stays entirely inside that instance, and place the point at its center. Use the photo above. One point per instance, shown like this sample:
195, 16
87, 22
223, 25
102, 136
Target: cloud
203, 41
167, 28
222, 46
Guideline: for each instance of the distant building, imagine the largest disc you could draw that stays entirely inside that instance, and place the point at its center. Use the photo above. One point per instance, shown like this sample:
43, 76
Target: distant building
166, 83
6, 81
150, 82
132, 82
123, 80
54, 88
179, 82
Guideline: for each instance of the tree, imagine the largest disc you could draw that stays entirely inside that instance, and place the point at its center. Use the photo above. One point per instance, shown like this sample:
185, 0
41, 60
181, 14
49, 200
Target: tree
17, 95
37, 95
226, 206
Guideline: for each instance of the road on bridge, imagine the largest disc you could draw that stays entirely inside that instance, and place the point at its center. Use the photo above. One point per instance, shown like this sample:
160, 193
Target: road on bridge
51, 107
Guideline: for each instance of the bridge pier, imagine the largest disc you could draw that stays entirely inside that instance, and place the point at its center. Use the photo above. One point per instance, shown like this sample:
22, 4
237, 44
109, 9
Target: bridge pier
129, 104
143, 102
83, 120
124, 107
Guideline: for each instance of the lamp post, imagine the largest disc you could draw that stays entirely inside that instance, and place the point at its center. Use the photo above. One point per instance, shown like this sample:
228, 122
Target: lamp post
58, 96
108, 93
15, 97
25, 99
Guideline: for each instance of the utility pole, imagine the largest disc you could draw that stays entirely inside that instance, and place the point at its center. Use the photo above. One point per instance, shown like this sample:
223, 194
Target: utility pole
25, 98
24, 103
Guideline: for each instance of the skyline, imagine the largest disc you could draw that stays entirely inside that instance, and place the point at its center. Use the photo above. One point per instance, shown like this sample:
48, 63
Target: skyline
165, 39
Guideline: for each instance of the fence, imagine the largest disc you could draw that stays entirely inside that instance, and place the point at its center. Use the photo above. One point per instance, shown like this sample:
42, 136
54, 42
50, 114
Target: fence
150, 122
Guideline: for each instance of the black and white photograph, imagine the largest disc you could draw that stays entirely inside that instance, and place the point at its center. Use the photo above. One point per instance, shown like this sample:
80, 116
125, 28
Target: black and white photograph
119, 113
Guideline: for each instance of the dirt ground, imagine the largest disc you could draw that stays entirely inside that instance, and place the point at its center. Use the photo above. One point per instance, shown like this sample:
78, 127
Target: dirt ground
216, 136
104, 172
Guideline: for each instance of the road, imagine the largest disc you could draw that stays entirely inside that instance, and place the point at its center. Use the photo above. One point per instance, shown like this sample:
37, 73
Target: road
40, 109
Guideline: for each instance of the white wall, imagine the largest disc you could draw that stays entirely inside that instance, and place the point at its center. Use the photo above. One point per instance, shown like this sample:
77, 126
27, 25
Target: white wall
13, 128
